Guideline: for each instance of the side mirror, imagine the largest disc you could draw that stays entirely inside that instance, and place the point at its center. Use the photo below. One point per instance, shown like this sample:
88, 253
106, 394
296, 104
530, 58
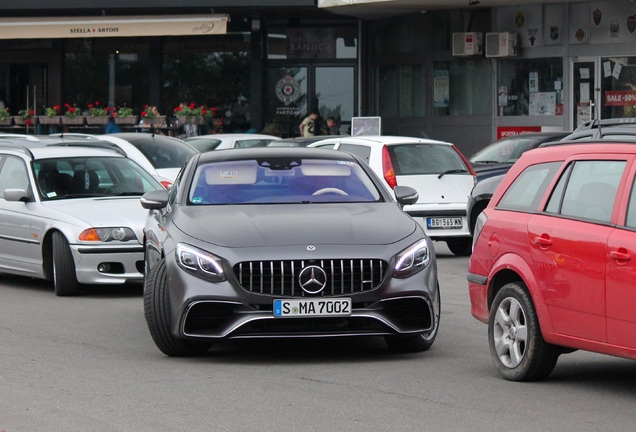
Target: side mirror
16, 195
405, 195
154, 200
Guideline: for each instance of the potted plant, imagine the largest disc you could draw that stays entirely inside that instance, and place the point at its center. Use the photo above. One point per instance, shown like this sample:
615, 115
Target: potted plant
5, 117
124, 115
151, 117
51, 115
189, 114
24, 117
97, 114
72, 115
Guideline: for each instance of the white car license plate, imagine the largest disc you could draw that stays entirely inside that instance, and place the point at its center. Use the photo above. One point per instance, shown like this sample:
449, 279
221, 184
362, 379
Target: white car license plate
440, 223
292, 308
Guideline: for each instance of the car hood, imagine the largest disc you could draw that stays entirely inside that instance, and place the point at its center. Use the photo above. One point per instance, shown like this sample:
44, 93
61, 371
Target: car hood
295, 224
103, 211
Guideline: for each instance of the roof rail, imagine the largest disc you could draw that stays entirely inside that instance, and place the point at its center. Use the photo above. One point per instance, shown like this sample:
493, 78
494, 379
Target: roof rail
21, 148
93, 144
21, 136
74, 135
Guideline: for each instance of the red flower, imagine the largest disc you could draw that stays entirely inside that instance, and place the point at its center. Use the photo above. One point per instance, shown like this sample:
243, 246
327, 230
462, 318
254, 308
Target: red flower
31, 112
28, 122
56, 107
192, 105
144, 113
91, 106
178, 109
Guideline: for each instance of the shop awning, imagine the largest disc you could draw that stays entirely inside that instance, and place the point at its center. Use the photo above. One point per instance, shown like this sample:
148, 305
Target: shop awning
124, 26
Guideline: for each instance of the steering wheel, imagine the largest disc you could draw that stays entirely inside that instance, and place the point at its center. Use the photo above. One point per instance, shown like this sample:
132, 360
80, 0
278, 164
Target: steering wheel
330, 190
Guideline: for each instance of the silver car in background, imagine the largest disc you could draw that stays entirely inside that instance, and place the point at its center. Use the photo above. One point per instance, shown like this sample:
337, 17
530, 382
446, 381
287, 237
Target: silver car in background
71, 215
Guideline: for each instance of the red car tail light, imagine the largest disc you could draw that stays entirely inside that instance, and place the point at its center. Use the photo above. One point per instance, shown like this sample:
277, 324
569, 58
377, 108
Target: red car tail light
387, 168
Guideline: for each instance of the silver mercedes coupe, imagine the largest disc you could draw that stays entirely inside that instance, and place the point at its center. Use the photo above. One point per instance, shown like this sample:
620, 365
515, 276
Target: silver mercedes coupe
285, 243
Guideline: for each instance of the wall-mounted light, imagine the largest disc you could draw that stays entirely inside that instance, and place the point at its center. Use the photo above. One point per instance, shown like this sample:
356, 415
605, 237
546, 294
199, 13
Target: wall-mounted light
473, 2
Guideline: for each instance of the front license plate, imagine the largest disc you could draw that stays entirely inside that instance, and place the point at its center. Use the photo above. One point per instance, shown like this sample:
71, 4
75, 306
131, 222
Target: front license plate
441, 223
293, 308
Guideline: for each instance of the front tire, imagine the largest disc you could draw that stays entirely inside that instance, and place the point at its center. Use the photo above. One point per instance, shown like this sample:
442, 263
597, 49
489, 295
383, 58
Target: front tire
514, 336
462, 246
64, 276
158, 317
422, 342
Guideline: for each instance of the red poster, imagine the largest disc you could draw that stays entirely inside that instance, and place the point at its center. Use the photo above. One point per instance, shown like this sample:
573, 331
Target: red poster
506, 131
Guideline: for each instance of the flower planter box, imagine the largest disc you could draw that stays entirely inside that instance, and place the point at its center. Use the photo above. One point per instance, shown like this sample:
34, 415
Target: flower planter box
20, 121
49, 120
97, 120
191, 120
127, 120
76, 121
6, 121
154, 121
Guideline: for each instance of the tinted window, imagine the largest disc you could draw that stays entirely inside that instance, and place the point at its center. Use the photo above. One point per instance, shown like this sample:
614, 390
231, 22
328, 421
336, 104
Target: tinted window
164, 152
526, 191
590, 190
95, 176
361, 151
204, 145
506, 150
419, 159
280, 180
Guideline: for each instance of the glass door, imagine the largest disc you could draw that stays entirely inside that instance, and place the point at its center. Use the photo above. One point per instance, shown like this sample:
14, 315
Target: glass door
335, 94
585, 90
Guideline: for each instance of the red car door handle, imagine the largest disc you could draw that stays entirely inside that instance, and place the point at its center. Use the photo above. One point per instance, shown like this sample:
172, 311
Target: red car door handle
543, 241
620, 256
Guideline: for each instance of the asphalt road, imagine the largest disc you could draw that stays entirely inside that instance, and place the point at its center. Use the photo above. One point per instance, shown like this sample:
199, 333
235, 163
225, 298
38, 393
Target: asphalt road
88, 364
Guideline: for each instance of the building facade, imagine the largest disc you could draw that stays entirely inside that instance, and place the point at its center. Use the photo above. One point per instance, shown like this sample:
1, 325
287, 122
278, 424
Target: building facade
465, 73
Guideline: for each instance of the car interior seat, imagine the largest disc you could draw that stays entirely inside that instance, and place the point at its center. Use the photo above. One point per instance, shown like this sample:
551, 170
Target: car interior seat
85, 181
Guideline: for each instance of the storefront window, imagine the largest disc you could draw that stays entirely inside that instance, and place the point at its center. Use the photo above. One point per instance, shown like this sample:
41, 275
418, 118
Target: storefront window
401, 90
530, 87
462, 87
211, 71
618, 87
111, 71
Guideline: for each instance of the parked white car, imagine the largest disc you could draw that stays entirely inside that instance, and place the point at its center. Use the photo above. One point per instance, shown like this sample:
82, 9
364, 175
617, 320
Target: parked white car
162, 156
439, 172
71, 215
210, 142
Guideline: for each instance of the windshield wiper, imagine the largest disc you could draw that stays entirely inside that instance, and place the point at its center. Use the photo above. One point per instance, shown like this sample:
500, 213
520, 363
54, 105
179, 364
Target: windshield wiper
452, 171
487, 162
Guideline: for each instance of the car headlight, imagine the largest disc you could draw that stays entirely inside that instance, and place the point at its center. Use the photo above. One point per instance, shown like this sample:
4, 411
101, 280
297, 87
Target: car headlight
412, 260
108, 234
200, 263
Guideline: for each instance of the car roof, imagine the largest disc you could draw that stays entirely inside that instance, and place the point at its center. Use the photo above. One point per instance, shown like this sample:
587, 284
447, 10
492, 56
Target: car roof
48, 152
275, 152
380, 140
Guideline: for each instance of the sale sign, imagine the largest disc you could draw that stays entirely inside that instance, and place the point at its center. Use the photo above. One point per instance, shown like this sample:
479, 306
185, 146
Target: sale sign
620, 97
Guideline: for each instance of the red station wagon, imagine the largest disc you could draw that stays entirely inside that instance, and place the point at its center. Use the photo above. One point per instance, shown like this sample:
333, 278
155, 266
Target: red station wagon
552, 268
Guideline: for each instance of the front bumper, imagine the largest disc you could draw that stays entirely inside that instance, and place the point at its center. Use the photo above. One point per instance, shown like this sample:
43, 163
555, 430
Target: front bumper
202, 309
109, 265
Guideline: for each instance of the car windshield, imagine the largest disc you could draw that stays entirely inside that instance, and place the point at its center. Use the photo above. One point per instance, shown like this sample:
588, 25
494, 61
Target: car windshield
76, 177
422, 159
506, 150
164, 152
281, 180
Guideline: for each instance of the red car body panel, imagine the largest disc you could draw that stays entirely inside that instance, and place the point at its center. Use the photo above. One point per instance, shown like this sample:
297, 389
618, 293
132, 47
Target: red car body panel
581, 274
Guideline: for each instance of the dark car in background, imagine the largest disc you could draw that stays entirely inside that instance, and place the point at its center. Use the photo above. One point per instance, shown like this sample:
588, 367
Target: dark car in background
286, 243
494, 161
